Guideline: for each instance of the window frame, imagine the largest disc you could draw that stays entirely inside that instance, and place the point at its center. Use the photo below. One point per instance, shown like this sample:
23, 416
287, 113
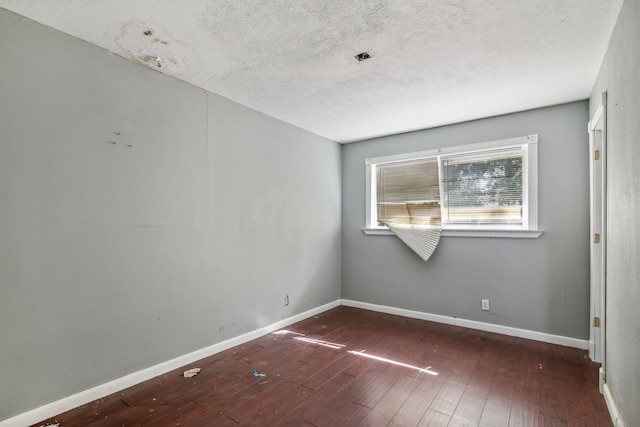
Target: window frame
529, 228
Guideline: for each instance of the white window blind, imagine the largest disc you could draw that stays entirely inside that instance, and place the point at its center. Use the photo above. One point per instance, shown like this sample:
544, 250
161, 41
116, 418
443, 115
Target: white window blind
409, 193
483, 188
408, 203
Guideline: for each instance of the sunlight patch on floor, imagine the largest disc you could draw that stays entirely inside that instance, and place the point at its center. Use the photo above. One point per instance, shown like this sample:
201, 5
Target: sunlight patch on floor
393, 362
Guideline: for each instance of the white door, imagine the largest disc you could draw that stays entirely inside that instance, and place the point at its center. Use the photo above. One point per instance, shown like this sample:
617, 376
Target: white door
597, 149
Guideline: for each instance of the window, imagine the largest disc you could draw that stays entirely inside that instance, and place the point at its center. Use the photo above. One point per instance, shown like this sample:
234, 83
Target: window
486, 189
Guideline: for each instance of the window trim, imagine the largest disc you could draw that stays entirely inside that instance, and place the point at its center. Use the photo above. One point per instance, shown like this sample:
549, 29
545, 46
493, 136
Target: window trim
529, 229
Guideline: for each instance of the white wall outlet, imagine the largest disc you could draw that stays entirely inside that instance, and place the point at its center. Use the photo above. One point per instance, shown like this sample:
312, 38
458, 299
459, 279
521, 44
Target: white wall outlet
485, 305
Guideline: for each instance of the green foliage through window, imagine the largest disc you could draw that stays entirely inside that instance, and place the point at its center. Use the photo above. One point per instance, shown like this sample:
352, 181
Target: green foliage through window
496, 182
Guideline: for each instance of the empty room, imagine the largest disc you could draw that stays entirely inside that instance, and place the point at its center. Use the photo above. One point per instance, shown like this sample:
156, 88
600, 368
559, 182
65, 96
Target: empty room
319, 213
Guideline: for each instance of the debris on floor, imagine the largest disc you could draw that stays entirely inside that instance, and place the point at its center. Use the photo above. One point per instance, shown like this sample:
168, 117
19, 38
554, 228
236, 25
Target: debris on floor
191, 372
256, 374
55, 424
540, 365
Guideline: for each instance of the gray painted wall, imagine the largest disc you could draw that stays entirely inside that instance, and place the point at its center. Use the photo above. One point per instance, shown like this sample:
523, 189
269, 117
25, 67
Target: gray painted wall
620, 78
537, 284
142, 218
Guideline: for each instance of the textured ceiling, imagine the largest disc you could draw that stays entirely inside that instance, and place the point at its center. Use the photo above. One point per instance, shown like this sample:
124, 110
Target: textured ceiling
433, 62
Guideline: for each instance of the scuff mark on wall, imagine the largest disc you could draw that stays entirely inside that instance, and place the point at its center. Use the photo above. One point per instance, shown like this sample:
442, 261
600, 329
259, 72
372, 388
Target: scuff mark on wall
115, 142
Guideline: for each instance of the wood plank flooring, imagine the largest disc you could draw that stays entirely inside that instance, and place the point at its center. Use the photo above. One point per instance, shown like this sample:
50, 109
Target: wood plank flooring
352, 367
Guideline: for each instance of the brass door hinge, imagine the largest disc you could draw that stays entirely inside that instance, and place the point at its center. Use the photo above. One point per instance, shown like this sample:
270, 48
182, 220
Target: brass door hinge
596, 322
596, 155
596, 238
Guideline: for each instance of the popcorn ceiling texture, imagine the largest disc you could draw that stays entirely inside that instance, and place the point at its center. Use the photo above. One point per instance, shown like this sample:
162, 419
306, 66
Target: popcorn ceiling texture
433, 62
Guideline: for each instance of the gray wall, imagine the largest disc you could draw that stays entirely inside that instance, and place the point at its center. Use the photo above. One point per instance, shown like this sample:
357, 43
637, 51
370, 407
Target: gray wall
537, 284
620, 77
188, 228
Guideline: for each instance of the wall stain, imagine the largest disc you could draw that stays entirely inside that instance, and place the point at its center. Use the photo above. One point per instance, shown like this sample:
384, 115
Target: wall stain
145, 44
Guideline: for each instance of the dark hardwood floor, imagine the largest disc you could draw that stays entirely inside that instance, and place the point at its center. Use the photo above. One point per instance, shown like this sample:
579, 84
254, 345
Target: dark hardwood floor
352, 367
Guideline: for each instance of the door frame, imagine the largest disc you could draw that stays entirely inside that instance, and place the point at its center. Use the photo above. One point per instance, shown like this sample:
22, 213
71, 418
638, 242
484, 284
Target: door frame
597, 128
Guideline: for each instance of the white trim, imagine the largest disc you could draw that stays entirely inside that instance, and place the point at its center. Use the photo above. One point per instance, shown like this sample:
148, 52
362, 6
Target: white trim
530, 184
378, 231
489, 327
596, 117
371, 188
52, 409
616, 419
598, 224
516, 234
469, 148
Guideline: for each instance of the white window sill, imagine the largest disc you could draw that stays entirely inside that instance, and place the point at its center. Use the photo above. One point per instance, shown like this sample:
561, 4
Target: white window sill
509, 234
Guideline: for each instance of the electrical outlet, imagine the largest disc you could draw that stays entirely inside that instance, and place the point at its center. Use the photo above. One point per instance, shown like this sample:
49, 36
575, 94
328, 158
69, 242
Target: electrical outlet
286, 300
485, 305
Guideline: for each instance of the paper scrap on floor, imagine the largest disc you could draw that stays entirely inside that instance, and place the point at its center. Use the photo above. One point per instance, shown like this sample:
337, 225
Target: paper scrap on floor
191, 372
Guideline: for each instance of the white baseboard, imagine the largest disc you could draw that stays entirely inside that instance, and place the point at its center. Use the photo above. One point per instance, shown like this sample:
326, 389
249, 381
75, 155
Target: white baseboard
505, 330
84, 397
611, 405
